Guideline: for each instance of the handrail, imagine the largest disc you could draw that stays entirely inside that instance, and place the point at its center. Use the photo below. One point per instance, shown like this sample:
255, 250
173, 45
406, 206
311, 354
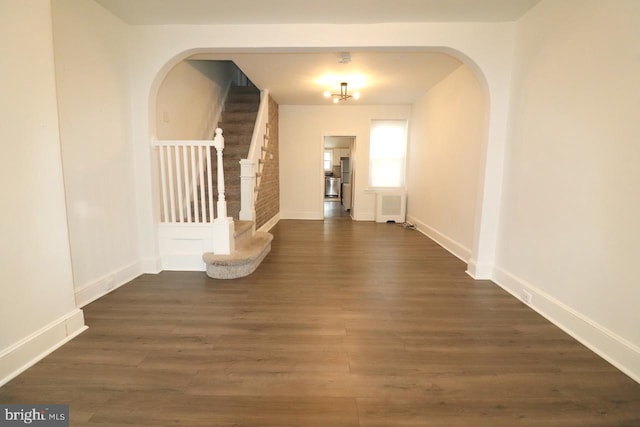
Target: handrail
260, 126
248, 176
188, 142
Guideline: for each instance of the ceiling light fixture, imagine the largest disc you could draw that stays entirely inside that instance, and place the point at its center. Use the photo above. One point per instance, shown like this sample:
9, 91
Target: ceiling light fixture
343, 95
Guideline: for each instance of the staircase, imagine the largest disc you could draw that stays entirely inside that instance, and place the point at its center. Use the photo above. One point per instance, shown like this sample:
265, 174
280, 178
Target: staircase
248, 247
237, 121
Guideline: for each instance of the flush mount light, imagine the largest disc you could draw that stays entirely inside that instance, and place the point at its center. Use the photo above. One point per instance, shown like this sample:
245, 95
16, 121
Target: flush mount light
343, 95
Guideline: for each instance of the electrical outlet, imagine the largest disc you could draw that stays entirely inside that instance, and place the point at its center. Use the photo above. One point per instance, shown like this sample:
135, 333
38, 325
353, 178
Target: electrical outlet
526, 296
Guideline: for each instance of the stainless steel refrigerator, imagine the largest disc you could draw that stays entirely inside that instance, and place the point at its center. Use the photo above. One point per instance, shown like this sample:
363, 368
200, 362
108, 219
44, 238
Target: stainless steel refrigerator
345, 170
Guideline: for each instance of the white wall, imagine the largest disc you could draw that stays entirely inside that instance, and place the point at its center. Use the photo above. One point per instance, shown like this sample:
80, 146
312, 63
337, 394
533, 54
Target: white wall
569, 223
444, 158
37, 308
302, 131
191, 98
92, 72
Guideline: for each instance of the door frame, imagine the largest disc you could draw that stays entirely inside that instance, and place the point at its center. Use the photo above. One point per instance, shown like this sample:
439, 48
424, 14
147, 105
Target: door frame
352, 151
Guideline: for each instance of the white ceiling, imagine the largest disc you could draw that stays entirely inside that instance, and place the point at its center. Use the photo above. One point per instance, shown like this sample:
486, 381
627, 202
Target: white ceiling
385, 77
380, 77
143, 12
338, 141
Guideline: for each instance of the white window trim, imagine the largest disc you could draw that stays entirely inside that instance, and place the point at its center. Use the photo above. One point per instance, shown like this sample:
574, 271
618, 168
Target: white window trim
403, 158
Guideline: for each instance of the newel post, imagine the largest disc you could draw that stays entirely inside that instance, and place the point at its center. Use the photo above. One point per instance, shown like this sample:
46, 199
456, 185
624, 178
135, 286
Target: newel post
223, 227
247, 190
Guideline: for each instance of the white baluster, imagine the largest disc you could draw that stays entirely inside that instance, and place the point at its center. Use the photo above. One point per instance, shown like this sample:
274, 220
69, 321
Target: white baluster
187, 191
194, 184
163, 178
179, 185
172, 202
203, 200
209, 184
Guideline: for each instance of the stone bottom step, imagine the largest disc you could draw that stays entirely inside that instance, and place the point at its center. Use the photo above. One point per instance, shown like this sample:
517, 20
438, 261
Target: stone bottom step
242, 262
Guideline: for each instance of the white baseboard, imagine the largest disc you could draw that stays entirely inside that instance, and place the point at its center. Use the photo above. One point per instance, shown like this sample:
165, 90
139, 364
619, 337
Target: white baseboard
151, 265
301, 215
621, 353
184, 262
366, 217
270, 224
90, 292
479, 271
38, 345
460, 251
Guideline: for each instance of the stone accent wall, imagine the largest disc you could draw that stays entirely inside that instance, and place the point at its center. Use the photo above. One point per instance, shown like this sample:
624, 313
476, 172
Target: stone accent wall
268, 203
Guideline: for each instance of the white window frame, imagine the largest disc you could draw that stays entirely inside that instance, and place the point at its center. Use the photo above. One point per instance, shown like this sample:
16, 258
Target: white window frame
388, 158
325, 160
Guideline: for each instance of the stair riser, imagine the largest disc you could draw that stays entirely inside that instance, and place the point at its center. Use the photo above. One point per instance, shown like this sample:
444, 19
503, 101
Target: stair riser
242, 262
235, 117
241, 107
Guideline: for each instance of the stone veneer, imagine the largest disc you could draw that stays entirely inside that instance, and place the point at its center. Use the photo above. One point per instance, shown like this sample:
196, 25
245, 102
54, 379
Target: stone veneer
268, 203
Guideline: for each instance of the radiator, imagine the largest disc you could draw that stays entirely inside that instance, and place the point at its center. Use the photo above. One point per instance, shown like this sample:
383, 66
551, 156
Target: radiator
391, 206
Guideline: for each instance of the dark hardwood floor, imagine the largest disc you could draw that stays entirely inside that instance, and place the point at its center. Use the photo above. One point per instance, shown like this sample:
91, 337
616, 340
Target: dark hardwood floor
333, 209
344, 324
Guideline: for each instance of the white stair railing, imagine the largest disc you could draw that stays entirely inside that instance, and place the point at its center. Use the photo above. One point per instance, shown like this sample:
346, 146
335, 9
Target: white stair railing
250, 168
186, 181
186, 176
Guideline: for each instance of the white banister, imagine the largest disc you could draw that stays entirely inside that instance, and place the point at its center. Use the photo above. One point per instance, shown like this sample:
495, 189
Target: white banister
259, 129
249, 166
186, 181
223, 226
187, 178
218, 143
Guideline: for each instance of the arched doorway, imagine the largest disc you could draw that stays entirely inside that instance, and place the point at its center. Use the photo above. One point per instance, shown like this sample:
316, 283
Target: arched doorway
488, 199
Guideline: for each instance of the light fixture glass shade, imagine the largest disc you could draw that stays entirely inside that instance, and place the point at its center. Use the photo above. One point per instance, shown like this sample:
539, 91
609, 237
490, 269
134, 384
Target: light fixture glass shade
356, 95
327, 94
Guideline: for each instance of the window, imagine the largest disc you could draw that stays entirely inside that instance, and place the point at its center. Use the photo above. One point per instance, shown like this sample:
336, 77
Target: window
328, 160
387, 152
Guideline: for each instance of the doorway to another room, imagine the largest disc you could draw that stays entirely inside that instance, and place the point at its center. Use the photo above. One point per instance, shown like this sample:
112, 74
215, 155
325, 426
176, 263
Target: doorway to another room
338, 169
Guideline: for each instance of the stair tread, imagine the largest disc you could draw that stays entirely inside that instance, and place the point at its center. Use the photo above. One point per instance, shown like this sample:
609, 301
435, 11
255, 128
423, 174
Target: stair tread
242, 255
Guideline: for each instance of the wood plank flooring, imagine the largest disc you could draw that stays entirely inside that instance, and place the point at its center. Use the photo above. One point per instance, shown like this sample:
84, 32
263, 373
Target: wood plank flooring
344, 324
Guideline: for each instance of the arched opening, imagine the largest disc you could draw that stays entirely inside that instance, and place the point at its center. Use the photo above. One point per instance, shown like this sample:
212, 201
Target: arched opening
455, 175
447, 151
